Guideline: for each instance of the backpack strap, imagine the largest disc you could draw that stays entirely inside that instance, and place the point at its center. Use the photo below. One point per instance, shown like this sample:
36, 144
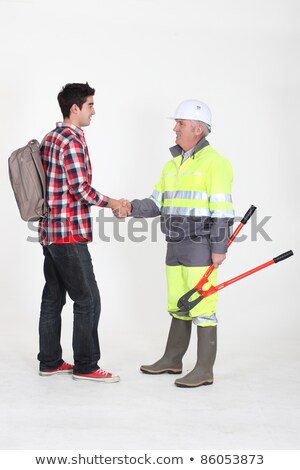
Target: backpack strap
36, 156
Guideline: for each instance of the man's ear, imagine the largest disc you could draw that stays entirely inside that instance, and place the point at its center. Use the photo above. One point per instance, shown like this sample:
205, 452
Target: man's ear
74, 109
199, 129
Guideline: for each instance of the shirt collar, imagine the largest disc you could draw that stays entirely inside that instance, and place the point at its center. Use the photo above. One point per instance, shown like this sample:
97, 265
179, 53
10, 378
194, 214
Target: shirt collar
177, 150
78, 130
188, 154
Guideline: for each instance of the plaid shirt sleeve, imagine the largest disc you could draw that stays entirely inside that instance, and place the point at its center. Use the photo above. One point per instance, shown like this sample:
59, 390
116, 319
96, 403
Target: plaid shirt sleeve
78, 178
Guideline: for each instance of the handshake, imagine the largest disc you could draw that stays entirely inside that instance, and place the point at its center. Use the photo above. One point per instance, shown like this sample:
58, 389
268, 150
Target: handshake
121, 208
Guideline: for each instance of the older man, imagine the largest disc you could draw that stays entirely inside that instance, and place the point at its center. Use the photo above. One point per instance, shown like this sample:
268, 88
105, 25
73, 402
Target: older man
193, 197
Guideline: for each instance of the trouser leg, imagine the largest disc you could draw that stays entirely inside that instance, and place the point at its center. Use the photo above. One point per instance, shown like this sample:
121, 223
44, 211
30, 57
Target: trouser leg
180, 280
87, 307
53, 300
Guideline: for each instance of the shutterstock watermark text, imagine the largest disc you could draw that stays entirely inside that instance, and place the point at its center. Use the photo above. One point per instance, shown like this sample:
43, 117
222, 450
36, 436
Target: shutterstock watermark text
107, 228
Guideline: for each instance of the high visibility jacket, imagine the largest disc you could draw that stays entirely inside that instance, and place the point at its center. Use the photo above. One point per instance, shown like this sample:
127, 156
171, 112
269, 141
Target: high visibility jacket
193, 197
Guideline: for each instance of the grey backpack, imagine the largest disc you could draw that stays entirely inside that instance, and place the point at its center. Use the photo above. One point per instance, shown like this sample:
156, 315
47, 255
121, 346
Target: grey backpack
28, 181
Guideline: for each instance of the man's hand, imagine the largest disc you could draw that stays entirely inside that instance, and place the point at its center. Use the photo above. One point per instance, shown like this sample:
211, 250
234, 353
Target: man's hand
114, 203
217, 259
123, 209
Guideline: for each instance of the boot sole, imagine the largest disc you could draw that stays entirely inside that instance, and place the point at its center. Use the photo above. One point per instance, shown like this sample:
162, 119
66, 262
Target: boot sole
162, 371
206, 382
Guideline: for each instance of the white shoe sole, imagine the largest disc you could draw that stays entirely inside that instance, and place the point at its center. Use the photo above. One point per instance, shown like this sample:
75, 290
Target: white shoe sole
44, 374
116, 378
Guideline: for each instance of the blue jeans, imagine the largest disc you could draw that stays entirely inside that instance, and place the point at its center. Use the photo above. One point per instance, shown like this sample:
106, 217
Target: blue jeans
68, 269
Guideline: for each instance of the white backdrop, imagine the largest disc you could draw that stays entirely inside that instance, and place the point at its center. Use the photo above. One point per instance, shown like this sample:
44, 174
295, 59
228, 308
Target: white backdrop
144, 57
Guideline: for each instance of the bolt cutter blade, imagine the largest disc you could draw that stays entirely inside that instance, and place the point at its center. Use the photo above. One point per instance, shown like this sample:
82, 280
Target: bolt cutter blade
185, 305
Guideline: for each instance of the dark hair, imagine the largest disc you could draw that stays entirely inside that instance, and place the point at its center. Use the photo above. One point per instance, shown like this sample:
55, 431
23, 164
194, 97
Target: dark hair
73, 93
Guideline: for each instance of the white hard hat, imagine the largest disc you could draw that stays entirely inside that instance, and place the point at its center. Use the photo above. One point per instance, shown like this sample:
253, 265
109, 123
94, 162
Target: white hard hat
194, 110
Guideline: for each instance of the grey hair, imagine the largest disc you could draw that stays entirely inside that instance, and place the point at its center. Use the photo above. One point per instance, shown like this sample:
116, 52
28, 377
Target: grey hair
206, 127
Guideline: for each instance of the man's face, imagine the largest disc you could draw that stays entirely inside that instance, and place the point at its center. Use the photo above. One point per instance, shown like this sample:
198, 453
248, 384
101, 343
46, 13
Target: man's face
86, 112
187, 134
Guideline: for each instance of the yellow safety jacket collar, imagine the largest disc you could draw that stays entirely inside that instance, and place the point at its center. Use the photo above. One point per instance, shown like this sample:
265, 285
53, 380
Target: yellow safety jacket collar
176, 150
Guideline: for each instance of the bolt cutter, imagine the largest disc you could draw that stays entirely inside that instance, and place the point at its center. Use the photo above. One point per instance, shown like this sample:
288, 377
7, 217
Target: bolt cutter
185, 305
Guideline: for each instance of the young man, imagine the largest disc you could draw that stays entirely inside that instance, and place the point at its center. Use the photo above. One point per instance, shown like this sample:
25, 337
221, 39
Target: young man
193, 198
64, 234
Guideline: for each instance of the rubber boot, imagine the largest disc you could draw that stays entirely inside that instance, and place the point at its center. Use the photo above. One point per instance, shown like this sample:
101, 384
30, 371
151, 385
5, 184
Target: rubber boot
202, 374
177, 344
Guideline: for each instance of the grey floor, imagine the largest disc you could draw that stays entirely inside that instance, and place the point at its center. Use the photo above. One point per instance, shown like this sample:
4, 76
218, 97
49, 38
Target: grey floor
253, 404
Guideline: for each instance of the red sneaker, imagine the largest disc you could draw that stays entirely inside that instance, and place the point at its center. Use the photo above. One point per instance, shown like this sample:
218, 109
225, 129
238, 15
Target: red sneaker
98, 375
65, 368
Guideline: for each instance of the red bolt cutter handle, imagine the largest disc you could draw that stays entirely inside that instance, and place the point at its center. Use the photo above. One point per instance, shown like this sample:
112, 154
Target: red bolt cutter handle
214, 289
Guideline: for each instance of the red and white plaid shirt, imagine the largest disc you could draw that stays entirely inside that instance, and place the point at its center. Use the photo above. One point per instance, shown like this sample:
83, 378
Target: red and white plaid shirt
69, 192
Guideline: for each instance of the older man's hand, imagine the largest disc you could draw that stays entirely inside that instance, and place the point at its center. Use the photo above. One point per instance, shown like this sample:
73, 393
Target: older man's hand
217, 259
124, 209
